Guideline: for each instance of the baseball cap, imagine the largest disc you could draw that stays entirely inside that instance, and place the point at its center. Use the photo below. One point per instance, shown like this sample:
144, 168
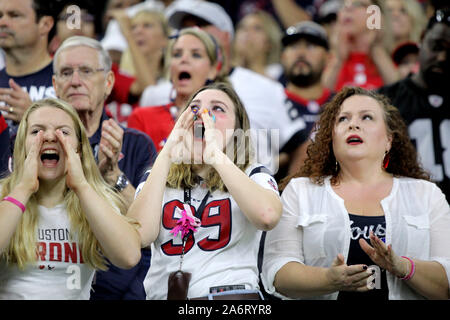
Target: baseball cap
328, 10
210, 12
403, 50
307, 29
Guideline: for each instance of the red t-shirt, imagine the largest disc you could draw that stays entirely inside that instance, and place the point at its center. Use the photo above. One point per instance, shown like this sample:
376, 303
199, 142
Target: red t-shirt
359, 71
118, 104
157, 122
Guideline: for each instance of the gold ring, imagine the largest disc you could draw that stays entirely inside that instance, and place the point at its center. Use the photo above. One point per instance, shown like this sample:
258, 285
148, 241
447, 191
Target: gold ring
11, 109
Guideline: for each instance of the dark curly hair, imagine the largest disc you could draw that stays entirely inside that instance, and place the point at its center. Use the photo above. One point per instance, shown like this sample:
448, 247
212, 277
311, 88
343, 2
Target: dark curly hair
321, 161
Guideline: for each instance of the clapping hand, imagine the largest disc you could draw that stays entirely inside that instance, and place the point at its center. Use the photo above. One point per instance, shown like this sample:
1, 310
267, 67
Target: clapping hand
16, 101
383, 255
110, 149
349, 278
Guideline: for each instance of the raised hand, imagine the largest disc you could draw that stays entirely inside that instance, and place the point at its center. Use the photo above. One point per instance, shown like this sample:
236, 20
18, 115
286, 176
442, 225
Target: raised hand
17, 101
30, 176
75, 178
179, 143
109, 150
213, 143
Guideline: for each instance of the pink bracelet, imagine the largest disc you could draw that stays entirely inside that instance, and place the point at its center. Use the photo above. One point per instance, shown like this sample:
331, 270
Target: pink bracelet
16, 202
411, 272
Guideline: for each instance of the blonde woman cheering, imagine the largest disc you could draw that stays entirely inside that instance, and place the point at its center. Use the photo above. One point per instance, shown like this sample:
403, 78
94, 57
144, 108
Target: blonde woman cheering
59, 220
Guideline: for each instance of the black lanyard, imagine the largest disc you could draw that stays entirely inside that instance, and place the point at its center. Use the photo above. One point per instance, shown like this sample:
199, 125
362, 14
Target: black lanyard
187, 199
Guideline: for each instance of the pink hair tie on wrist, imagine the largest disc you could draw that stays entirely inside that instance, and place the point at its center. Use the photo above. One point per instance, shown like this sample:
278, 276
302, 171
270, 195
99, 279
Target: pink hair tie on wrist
411, 272
16, 202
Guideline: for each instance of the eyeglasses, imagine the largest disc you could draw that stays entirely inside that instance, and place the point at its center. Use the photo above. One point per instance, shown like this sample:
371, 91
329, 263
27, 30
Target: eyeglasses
85, 73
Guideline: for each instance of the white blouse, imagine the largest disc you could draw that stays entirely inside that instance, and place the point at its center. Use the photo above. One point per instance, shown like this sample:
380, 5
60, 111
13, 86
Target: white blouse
315, 227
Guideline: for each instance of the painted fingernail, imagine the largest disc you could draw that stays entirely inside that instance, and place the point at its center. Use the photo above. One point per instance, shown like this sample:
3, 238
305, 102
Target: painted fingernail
365, 267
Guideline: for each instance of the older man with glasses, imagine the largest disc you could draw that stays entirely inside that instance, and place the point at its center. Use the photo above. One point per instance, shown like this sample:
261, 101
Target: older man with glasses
83, 77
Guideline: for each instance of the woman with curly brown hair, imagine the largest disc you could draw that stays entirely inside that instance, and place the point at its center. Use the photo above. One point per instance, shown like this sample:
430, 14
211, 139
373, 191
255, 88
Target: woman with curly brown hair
361, 219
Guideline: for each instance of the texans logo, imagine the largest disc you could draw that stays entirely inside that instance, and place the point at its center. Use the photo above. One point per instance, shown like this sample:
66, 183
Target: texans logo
273, 184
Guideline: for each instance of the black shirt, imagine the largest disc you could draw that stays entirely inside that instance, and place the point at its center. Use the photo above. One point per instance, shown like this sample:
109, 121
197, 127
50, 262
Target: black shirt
427, 115
360, 229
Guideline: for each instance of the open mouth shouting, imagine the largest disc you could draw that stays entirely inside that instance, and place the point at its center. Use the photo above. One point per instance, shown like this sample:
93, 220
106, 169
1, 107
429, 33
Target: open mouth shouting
50, 158
184, 76
199, 130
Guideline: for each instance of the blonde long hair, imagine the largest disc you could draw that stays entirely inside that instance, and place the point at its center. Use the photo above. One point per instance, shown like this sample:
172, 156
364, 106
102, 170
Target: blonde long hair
22, 247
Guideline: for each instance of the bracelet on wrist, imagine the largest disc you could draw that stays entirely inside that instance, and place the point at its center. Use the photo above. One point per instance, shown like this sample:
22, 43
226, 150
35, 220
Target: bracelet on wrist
411, 271
16, 202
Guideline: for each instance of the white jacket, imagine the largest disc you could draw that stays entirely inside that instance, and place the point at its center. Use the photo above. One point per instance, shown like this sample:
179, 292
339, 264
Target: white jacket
315, 227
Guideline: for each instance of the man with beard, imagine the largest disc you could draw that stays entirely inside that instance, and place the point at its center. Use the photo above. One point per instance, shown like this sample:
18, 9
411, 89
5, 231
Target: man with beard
305, 52
424, 100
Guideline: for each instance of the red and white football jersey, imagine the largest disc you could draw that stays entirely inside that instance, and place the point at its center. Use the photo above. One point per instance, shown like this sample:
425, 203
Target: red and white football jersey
222, 252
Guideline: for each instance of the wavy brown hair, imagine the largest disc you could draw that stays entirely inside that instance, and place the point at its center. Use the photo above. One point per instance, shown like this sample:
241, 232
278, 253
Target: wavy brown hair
321, 162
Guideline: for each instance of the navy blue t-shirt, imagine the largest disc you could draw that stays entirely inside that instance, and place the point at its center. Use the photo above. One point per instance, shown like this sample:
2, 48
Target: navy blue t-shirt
360, 229
138, 154
309, 110
38, 85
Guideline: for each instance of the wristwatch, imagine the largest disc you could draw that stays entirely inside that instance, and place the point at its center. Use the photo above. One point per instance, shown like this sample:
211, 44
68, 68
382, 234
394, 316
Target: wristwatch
121, 182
